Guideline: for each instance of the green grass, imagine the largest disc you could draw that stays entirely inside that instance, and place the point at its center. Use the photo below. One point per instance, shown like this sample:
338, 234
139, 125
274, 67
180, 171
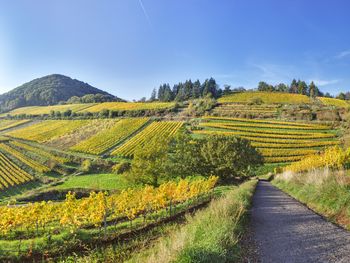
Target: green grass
95, 181
211, 235
18, 190
324, 191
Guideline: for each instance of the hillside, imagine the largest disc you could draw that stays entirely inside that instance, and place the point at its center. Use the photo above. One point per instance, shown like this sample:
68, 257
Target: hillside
48, 90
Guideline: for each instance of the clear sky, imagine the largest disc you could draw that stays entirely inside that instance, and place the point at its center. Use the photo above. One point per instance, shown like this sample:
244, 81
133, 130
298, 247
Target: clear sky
128, 47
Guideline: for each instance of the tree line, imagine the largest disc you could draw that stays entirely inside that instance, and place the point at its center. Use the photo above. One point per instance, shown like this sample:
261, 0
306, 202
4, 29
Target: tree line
189, 90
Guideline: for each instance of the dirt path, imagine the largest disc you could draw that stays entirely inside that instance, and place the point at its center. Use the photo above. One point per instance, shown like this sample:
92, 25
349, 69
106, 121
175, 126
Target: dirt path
284, 230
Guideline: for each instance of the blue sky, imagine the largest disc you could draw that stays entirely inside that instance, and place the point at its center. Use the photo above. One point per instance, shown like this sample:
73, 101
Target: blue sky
129, 47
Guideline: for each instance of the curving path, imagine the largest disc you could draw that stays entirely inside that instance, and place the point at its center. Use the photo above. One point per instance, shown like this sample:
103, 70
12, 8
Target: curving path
284, 230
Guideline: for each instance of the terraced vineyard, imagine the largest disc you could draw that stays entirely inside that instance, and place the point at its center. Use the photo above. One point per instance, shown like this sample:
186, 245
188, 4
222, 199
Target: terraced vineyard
266, 98
11, 174
278, 141
47, 130
162, 129
106, 139
245, 110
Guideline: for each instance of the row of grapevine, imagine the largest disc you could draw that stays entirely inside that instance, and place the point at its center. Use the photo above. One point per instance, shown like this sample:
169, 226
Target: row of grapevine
98, 207
283, 159
274, 126
106, 139
262, 134
268, 139
7, 124
278, 141
297, 145
162, 129
11, 174
284, 123
39, 151
38, 167
268, 152
225, 125
47, 130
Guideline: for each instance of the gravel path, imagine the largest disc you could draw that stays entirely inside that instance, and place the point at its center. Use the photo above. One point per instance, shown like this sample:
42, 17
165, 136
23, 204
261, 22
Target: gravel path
284, 230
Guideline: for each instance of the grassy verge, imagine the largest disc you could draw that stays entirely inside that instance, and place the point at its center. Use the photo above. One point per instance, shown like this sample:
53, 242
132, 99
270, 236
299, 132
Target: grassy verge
211, 235
324, 191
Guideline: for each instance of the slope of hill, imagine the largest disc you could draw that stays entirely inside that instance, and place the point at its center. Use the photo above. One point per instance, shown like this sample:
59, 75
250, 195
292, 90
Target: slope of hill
48, 90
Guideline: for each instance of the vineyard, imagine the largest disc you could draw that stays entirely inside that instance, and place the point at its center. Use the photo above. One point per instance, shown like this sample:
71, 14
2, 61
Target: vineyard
334, 102
7, 124
11, 174
129, 106
42, 110
278, 141
47, 130
266, 98
109, 138
138, 206
162, 129
245, 110
333, 157
34, 165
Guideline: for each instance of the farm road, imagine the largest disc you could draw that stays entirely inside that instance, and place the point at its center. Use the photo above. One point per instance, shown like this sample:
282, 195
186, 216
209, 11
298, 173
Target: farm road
284, 230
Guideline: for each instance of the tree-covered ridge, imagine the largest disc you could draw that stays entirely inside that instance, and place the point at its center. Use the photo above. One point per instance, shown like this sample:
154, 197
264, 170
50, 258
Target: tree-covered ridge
48, 90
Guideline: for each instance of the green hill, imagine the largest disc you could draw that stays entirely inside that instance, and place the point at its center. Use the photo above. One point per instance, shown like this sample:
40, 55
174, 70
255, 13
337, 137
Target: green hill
48, 90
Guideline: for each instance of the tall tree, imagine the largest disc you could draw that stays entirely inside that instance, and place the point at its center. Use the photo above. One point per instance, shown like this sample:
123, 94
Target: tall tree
293, 86
341, 96
281, 87
148, 163
210, 86
302, 87
196, 91
313, 90
153, 95
227, 89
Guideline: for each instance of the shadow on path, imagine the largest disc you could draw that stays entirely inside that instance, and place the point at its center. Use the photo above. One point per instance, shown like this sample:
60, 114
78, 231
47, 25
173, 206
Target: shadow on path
286, 231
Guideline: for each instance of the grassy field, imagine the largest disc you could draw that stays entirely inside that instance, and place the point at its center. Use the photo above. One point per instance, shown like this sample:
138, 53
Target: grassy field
266, 98
95, 181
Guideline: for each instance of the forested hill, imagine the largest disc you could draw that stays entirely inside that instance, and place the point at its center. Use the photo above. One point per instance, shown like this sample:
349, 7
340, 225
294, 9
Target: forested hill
47, 90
